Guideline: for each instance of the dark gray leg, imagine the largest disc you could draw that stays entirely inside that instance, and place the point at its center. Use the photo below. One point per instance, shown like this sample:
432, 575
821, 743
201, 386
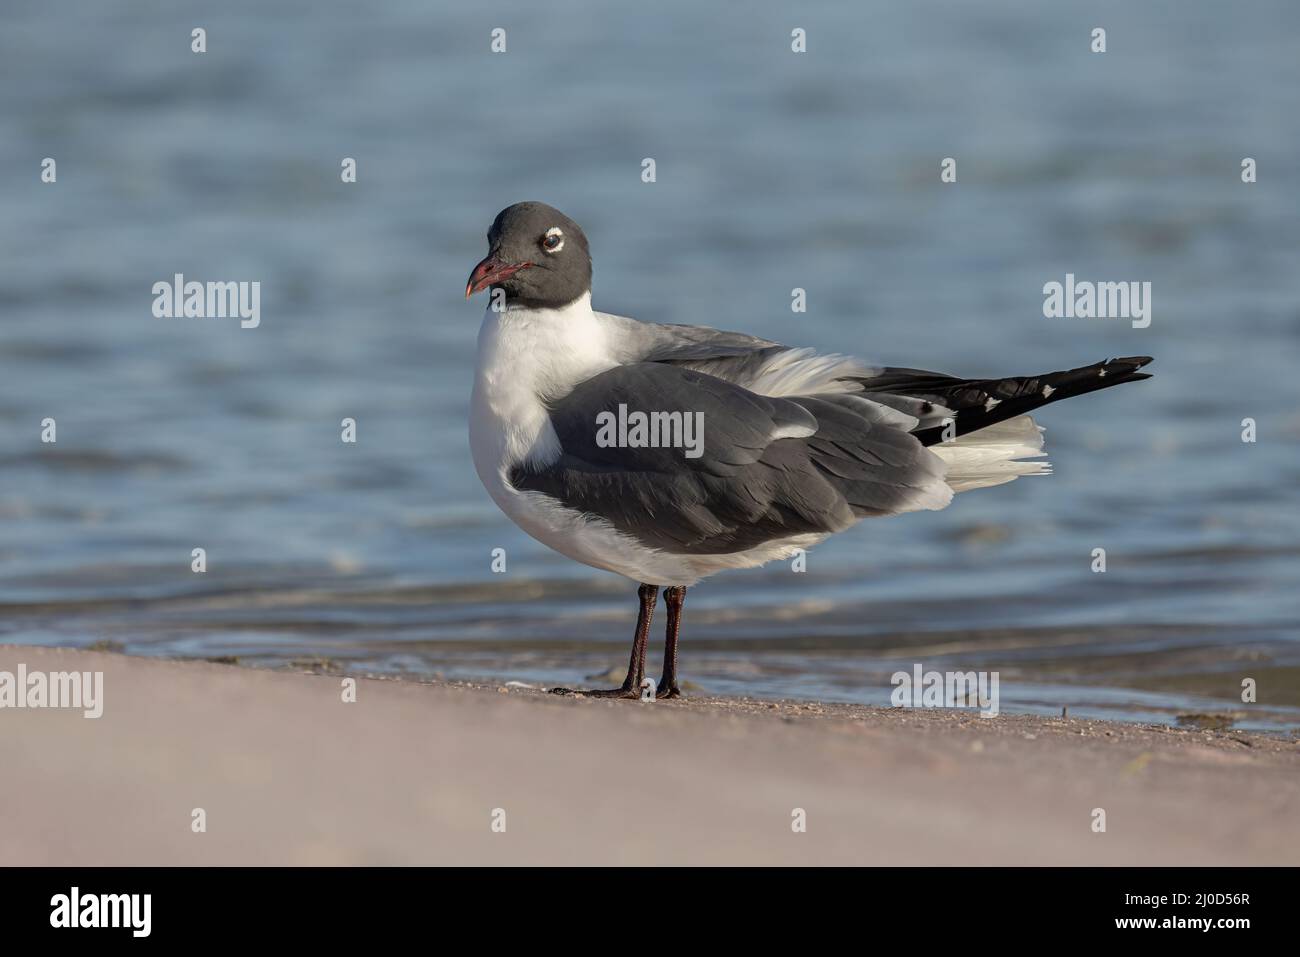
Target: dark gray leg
674, 598
631, 688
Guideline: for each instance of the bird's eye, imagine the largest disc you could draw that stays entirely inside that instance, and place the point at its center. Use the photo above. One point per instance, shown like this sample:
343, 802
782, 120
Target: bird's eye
553, 241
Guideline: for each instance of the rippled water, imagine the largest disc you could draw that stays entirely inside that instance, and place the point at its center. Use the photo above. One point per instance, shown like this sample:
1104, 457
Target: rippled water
775, 170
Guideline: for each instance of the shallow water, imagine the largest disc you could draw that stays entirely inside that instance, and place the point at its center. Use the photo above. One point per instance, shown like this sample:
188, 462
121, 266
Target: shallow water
775, 170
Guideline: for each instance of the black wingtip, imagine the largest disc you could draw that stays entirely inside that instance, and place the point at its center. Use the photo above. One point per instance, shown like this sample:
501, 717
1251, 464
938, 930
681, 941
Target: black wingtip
1137, 362
1125, 369
970, 398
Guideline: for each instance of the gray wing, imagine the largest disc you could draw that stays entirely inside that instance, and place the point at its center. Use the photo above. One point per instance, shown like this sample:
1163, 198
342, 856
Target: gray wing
925, 403
734, 356
769, 467
663, 342
759, 365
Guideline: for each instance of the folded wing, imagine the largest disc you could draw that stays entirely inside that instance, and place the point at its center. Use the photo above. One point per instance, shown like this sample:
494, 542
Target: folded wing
769, 467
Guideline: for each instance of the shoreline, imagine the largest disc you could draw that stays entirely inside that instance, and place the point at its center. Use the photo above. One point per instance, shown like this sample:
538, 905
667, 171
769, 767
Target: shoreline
418, 772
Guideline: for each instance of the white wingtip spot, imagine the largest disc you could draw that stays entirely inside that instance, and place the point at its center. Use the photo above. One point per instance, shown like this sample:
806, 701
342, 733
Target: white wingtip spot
1047, 391
991, 403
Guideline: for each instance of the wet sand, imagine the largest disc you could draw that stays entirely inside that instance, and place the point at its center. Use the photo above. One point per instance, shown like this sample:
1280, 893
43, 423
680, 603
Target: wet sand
286, 772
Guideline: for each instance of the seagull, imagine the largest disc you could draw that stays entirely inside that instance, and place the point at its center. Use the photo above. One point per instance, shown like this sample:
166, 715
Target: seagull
667, 453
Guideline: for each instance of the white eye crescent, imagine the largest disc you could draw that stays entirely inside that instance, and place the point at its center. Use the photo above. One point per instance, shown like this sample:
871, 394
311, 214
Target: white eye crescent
553, 241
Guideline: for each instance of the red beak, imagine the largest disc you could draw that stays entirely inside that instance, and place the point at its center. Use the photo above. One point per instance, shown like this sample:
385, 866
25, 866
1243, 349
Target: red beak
490, 272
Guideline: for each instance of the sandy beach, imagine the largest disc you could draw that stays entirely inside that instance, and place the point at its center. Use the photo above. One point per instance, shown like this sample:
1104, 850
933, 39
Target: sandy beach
286, 772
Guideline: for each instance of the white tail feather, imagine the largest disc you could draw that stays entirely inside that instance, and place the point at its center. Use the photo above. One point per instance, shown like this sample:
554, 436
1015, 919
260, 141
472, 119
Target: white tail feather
994, 455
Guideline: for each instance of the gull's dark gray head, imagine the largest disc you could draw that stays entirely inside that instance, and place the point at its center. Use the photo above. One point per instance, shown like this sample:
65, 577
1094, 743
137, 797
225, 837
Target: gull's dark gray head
537, 255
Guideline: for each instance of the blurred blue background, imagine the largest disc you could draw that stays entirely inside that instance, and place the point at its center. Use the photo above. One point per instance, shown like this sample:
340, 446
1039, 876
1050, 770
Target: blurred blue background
775, 170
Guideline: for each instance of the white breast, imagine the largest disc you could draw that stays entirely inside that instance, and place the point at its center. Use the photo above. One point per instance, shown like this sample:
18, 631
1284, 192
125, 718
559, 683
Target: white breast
524, 356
